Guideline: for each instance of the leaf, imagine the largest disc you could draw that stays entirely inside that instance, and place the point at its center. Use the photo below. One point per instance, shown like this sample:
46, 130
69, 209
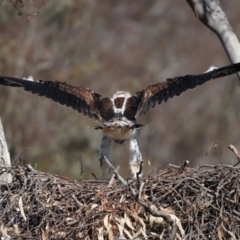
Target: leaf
117, 219
44, 235
94, 206
137, 233
120, 229
20, 203
108, 226
3, 231
16, 229
100, 233
47, 226
110, 233
122, 199
157, 220
137, 218
178, 222
128, 222
128, 233
122, 222
106, 223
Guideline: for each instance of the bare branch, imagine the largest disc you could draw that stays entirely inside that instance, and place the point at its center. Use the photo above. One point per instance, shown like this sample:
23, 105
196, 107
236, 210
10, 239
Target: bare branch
210, 13
112, 180
115, 172
5, 160
183, 166
232, 148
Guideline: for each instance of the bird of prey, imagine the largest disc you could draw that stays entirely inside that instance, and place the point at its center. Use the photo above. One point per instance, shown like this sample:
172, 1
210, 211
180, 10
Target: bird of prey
117, 115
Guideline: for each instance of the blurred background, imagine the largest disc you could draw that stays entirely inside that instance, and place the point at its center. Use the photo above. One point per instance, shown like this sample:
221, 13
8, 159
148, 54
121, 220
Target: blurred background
112, 45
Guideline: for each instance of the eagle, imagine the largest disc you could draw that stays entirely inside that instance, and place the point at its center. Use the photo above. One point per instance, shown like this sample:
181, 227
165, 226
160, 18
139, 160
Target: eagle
117, 116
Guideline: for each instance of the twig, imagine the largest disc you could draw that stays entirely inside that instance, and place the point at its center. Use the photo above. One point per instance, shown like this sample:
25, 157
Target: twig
112, 180
139, 173
17, 159
30, 168
210, 13
5, 160
186, 162
78, 203
229, 232
81, 166
94, 176
115, 172
235, 151
174, 166
60, 190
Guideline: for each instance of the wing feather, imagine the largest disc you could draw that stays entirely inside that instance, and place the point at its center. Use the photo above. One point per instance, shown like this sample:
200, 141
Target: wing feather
159, 92
79, 98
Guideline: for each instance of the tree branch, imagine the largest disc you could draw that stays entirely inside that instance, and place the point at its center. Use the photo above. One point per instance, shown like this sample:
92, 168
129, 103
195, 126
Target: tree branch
5, 160
210, 13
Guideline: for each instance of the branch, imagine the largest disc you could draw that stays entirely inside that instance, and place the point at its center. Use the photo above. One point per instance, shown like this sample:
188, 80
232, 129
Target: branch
210, 13
234, 150
115, 172
5, 160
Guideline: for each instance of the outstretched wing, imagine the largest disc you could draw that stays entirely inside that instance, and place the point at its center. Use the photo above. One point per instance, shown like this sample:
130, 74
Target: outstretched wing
79, 98
159, 92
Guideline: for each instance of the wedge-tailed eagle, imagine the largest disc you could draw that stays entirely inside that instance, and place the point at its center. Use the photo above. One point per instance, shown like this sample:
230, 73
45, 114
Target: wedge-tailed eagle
117, 115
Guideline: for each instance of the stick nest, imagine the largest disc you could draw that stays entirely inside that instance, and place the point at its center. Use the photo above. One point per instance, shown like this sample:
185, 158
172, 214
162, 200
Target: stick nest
199, 203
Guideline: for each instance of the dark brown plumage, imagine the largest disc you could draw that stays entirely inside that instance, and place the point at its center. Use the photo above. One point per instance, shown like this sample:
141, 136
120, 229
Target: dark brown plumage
94, 106
117, 115
159, 92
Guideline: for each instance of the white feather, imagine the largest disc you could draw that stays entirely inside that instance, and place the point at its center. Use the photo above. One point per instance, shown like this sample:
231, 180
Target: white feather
120, 94
30, 78
211, 69
135, 155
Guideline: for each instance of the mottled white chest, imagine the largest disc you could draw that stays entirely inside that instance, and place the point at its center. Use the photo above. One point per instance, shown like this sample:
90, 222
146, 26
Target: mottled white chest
119, 130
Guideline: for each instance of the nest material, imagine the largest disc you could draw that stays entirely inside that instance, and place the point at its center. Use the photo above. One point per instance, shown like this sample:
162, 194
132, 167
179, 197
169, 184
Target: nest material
200, 203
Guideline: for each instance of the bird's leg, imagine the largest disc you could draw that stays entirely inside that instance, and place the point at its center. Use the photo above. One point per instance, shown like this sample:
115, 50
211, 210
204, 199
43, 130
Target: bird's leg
105, 151
135, 156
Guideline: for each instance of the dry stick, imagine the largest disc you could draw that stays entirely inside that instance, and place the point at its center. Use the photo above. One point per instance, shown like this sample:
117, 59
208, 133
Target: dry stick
60, 190
115, 172
174, 166
229, 232
17, 159
210, 13
30, 168
186, 162
81, 166
139, 200
235, 151
94, 176
5, 160
139, 173
156, 213
4, 154
78, 203
112, 180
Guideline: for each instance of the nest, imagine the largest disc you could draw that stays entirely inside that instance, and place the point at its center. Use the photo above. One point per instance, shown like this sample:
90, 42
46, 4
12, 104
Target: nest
177, 203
